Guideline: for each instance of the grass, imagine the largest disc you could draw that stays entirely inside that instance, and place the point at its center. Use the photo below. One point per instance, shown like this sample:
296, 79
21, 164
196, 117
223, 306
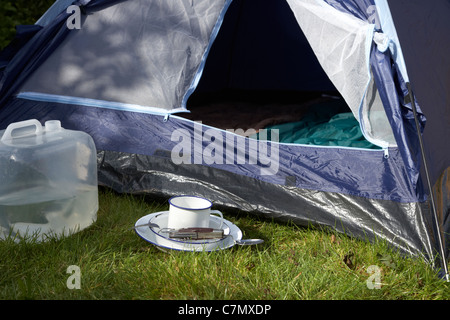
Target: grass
294, 263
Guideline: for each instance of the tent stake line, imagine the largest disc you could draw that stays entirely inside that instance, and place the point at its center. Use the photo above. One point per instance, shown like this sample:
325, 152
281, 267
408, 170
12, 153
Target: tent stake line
433, 205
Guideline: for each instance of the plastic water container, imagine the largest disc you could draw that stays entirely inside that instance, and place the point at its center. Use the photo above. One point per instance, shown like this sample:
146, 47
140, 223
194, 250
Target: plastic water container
48, 181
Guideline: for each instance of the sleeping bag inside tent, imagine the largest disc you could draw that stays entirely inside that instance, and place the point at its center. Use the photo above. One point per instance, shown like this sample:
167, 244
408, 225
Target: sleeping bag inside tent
294, 110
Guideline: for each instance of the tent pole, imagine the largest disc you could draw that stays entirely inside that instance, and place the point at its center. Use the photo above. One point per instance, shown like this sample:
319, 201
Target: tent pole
433, 205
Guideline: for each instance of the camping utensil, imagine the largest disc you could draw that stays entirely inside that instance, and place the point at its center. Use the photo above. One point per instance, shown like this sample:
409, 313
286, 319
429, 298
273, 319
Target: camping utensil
248, 242
207, 233
149, 224
195, 233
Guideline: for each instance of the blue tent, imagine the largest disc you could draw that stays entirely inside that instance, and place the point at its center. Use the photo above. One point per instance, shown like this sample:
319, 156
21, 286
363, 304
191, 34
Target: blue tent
301, 110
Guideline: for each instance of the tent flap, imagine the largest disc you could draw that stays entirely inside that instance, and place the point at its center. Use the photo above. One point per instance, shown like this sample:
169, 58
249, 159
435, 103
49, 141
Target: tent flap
342, 44
152, 62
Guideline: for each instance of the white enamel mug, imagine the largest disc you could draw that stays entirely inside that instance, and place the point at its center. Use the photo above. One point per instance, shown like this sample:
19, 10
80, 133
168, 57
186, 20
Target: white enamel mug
190, 212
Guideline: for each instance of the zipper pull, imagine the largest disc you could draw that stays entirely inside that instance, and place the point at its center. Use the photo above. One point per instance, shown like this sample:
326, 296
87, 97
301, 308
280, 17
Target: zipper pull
386, 152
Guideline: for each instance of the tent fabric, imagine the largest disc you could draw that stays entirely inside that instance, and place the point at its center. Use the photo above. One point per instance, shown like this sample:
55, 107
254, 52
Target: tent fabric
342, 170
34, 52
131, 60
168, 50
23, 35
431, 80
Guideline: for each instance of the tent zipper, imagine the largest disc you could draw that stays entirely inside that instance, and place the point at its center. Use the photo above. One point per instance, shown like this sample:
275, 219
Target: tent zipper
386, 152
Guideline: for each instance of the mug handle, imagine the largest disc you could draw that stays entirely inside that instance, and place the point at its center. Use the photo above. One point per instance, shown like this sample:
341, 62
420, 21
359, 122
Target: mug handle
221, 216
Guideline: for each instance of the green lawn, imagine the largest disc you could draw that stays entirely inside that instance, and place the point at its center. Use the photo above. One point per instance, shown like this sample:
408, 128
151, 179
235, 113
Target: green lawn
293, 263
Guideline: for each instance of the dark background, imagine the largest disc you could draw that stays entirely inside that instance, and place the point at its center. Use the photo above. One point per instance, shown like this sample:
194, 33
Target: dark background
15, 12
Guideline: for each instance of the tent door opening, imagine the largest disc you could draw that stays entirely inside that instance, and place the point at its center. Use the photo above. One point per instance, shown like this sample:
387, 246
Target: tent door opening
261, 73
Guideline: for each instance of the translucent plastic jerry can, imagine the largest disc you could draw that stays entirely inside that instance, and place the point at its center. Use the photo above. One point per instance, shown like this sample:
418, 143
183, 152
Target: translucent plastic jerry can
48, 181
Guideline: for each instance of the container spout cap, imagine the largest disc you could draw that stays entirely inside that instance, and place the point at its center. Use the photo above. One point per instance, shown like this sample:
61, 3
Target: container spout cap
52, 125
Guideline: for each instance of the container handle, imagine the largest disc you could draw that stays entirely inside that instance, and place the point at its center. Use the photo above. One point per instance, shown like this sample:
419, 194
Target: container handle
22, 129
